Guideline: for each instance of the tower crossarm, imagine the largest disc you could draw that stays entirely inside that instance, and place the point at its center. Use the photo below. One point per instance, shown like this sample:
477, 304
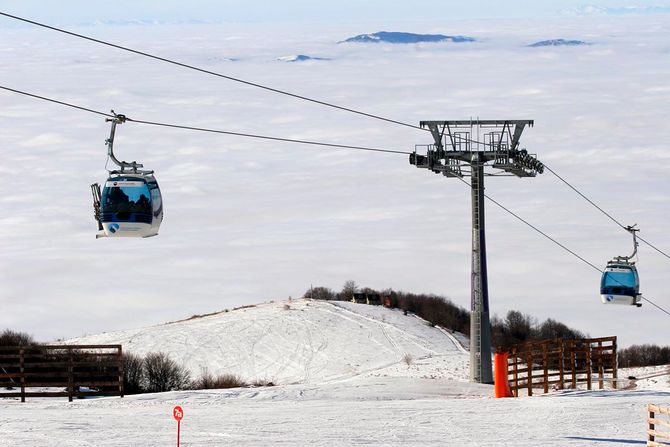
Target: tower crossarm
441, 130
455, 142
477, 122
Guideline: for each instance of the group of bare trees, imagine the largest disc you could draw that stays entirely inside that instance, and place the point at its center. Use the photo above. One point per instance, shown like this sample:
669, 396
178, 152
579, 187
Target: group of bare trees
154, 373
157, 372
324, 293
644, 355
9, 337
518, 327
515, 328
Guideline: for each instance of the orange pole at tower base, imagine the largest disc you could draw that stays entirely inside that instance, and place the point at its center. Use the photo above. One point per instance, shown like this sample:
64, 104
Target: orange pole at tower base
501, 381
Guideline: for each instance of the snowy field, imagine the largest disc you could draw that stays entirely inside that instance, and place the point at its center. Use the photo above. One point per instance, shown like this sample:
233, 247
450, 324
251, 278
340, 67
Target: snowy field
389, 412
341, 380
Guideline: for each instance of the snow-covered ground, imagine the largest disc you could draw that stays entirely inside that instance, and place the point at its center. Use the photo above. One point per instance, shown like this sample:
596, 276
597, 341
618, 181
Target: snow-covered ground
365, 412
646, 378
342, 380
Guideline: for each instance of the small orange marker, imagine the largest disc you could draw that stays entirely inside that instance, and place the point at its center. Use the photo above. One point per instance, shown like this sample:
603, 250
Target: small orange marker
502, 388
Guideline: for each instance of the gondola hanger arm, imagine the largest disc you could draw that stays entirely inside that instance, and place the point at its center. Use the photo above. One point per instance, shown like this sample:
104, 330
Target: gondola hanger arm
118, 119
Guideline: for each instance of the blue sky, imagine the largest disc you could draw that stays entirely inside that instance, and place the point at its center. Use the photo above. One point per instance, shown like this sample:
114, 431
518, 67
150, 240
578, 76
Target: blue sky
299, 10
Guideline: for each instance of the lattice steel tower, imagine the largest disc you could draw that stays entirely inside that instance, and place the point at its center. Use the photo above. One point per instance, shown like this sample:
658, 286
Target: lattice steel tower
458, 151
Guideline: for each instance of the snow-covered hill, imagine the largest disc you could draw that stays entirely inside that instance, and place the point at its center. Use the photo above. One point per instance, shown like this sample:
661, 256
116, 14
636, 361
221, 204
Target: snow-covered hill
302, 342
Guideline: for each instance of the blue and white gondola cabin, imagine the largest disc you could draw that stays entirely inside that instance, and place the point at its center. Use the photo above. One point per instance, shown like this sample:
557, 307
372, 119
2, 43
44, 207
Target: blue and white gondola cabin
620, 284
131, 206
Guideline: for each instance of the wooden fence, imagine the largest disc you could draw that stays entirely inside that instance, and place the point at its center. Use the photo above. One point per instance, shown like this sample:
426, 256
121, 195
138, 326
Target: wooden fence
59, 371
559, 364
658, 418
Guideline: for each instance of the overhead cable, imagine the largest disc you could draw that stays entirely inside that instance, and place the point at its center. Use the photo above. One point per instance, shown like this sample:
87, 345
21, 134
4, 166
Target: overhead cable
201, 129
521, 219
603, 211
55, 101
213, 73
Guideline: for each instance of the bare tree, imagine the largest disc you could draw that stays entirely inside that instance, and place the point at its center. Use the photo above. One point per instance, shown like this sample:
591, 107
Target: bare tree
519, 325
9, 337
208, 381
348, 289
551, 328
161, 373
132, 373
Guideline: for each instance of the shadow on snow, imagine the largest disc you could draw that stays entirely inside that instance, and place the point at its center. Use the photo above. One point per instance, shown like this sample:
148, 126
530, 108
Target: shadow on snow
618, 441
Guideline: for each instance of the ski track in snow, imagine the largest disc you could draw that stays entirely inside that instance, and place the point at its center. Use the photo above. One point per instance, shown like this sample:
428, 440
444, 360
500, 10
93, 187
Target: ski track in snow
382, 324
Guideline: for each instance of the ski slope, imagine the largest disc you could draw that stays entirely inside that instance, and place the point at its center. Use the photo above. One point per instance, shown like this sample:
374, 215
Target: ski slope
302, 341
341, 380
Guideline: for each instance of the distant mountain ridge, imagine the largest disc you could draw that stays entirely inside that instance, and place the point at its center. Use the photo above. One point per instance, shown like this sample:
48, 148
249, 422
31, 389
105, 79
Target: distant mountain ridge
400, 38
301, 58
557, 43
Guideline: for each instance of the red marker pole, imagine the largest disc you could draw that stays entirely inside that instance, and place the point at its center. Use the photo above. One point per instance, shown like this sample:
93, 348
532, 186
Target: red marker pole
178, 414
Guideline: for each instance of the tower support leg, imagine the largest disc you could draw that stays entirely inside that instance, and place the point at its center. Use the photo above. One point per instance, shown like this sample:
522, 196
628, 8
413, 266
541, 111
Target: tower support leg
480, 325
